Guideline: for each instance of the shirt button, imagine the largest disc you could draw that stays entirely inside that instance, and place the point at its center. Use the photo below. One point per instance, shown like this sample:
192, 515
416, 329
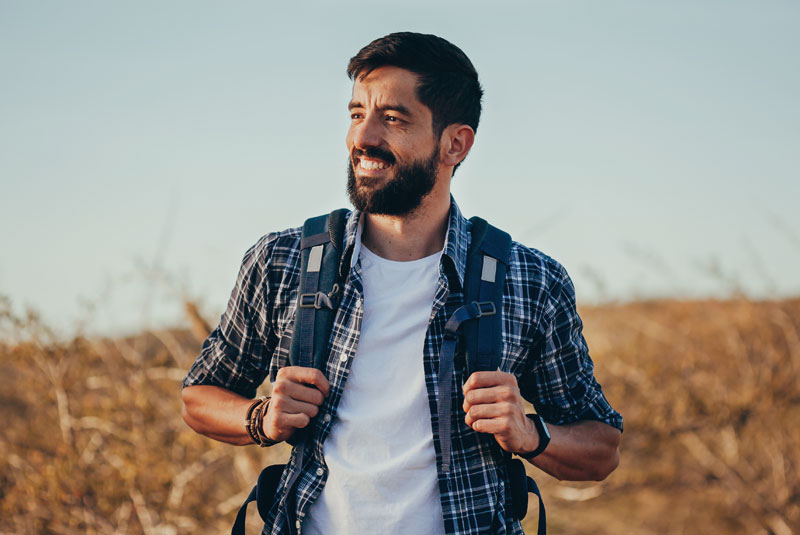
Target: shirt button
343, 357
326, 418
297, 524
320, 472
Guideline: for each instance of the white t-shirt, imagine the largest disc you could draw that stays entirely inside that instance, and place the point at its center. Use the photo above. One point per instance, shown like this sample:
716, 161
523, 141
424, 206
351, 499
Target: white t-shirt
380, 455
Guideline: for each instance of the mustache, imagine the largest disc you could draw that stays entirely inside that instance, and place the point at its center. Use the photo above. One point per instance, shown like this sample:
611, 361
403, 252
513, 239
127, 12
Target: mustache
375, 152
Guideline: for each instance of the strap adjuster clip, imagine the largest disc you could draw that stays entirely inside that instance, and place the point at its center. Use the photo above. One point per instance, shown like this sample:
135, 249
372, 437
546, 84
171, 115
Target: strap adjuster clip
316, 300
483, 308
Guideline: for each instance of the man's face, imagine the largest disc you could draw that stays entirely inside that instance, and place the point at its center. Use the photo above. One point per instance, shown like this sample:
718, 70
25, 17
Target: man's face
394, 154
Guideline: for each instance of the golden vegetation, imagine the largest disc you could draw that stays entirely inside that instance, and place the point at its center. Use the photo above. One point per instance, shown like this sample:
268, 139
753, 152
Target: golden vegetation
93, 442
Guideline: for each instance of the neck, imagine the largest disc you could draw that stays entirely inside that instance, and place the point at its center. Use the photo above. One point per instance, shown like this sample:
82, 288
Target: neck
413, 236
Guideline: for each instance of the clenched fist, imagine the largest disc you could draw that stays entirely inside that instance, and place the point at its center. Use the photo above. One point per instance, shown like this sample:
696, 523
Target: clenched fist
296, 396
494, 405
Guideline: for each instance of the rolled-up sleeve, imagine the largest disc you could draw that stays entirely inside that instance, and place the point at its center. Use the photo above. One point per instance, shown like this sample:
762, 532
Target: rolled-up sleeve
235, 356
561, 383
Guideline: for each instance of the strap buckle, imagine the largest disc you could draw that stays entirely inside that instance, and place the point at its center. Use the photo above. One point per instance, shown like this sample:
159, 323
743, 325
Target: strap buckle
482, 308
316, 300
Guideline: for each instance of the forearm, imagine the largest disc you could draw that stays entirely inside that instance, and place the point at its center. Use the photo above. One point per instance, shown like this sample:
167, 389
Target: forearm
216, 413
582, 451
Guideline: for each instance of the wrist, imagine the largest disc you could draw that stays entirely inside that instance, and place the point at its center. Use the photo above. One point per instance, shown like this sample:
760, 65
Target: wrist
541, 437
533, 440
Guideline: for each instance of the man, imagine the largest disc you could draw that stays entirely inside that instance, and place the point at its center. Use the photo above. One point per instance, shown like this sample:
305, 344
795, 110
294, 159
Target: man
374, 461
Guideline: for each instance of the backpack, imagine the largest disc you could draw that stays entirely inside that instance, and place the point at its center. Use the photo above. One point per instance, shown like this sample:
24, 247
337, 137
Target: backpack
322, 277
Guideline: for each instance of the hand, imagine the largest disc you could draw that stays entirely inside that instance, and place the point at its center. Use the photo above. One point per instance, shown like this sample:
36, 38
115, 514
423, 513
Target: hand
494, 405
296, 396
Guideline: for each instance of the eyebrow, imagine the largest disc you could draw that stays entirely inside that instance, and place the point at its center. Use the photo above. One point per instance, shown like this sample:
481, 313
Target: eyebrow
387, 107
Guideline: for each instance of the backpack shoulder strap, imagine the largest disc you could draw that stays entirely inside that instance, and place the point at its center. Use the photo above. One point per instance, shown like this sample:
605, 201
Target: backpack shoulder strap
481, 316
487, 263
319, 289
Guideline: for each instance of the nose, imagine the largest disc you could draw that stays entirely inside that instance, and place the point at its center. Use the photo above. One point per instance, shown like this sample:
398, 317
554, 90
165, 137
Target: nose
367, 133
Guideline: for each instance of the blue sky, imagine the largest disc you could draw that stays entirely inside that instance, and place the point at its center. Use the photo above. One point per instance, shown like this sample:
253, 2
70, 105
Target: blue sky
652, 148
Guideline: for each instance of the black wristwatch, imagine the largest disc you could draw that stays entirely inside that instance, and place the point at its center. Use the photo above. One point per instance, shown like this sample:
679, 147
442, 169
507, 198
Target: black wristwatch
544, 436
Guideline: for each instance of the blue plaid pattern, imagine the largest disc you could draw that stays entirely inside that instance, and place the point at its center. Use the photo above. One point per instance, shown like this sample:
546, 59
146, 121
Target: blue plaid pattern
542, 346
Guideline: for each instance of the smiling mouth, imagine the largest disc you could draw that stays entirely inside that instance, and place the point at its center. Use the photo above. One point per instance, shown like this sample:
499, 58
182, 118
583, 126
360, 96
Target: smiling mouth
370, 164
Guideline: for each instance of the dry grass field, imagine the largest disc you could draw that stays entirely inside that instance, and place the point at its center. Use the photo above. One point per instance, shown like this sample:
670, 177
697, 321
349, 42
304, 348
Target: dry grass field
93, 442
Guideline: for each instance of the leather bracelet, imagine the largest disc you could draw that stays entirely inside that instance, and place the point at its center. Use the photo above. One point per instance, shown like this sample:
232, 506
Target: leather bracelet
254, 421
256, 424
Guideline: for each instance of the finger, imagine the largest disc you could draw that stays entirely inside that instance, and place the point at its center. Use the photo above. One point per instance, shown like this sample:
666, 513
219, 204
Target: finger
297, 391
494, 394
490, 425
488, 379
494, 410
296, 421
291, 406
304, 375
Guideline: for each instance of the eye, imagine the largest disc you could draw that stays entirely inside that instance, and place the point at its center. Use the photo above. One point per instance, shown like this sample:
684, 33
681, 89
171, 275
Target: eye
355, 115
392, 119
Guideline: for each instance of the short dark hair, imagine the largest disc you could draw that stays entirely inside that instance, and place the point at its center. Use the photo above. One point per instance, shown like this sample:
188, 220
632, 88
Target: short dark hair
448, 82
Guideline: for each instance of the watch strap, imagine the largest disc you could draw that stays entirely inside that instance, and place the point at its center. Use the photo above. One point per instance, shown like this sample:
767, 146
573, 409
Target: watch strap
544, 436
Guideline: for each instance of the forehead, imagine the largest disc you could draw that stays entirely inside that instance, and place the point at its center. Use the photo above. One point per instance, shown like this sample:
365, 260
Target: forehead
386, 86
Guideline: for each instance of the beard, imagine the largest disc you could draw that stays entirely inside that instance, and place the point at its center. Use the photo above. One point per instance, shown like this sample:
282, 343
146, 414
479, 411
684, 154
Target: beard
402, 193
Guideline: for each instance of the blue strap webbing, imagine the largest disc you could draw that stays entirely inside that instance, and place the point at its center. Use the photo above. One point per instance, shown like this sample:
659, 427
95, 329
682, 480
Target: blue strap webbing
532, 487
262, 494
241, 516
488, 354
487, 262
306, 313
446, 358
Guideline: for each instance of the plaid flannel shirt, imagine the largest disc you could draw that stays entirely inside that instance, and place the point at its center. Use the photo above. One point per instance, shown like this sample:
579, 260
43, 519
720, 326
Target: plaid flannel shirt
542, 346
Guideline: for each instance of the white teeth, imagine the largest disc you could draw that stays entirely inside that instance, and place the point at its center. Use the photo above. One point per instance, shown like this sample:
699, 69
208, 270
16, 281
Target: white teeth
371, 164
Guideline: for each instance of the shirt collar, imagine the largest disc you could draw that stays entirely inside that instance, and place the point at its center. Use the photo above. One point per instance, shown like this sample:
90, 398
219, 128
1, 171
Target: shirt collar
456, 242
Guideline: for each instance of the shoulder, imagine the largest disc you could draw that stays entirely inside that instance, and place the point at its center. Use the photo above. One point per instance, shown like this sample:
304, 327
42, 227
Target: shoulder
279, 244
537, 288
283, 247
267, 261
536, 270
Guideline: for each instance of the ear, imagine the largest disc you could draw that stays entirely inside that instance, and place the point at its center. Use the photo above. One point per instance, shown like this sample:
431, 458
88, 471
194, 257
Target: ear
455, 143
